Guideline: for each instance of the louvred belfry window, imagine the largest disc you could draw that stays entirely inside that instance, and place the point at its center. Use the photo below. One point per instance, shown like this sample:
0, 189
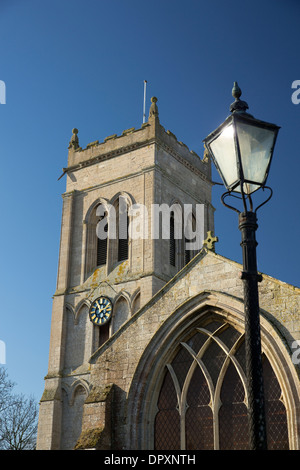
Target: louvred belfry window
188, 241
172, 242
123, 239
187, 253
202, 403
102, 248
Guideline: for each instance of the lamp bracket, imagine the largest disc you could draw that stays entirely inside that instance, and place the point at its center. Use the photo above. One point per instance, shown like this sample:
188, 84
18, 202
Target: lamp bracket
263, 203
244, 199
228, 193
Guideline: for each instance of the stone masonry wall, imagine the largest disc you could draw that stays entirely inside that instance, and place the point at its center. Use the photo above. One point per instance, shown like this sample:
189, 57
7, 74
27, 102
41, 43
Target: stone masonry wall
117, 361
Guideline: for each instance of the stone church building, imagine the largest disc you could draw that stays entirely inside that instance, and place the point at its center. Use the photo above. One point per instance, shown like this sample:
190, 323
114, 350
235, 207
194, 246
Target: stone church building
166, 369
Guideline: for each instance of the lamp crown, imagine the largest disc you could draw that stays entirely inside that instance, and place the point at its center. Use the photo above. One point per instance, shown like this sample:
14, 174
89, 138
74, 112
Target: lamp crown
238, 106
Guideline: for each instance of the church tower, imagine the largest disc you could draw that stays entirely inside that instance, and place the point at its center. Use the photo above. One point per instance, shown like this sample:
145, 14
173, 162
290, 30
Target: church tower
109, 183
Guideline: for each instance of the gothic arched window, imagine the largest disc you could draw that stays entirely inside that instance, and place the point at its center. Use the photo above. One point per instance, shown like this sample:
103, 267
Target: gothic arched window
202, 403
95, 236
105, 234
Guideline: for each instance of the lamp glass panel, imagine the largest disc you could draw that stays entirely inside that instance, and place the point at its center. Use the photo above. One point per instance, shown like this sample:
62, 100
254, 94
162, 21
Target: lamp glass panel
255, 148
223, 149
248, 188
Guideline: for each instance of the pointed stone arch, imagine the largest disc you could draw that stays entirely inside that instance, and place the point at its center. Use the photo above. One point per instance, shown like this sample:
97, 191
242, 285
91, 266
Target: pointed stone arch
103, 252
90, 241
78, 308
177, 329
127, 196
79, 383
121, 311
78, 335
69, 308
123, 293
135, 301
73, 397
99, 201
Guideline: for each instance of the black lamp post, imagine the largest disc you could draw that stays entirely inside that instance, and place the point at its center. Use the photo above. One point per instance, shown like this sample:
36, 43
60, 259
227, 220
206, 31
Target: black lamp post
241, 149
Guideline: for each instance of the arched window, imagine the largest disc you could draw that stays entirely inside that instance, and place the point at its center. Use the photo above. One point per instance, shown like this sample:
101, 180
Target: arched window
202, 403
105, 234
95, 238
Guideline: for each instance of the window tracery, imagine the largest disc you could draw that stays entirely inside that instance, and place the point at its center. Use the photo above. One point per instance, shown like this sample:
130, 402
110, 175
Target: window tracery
202, 403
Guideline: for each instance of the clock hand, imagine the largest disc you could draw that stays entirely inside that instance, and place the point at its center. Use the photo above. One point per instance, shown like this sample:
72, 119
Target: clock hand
101, 308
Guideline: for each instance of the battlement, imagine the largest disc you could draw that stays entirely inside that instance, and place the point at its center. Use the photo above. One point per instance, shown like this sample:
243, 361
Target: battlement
131, 139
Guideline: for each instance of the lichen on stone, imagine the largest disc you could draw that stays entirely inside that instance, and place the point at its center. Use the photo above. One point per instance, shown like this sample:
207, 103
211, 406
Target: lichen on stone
99, 394
89, 439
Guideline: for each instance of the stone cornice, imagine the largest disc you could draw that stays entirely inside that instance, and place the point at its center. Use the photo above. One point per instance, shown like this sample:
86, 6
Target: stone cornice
133, 139
106, 156
135, 146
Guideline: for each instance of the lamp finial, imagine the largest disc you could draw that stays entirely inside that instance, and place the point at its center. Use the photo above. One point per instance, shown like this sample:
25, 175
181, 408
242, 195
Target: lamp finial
236, 91
238, 106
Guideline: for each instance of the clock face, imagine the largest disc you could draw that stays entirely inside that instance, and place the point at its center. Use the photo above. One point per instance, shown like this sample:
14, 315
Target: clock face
101, 311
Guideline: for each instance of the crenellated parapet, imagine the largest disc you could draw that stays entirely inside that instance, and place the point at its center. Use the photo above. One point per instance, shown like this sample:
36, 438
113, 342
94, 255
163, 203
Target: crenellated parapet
132, 139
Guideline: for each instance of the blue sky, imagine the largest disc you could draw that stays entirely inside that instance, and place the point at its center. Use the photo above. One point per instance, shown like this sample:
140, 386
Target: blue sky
82, 64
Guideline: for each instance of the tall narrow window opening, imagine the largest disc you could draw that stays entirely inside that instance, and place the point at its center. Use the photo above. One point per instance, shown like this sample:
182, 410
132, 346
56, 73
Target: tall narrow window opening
172, 241
103, 333
102, 247
187, 253
123, 239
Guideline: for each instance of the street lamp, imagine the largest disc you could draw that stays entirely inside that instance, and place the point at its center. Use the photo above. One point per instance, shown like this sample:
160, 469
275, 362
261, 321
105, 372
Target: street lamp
242, 149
